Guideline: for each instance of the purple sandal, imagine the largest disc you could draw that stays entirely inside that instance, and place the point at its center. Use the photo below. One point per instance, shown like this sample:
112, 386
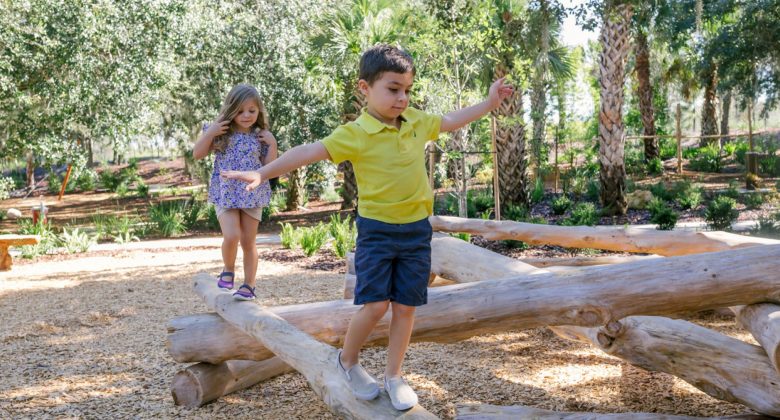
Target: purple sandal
223, 284
244, 293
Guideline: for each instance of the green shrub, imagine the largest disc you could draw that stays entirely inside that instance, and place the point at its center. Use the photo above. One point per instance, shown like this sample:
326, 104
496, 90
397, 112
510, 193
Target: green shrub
330, 195
141, 189
667, 148
168, 218
193, 211
662, 215
47, 238
7, 184
560, 205
689, 196
211, 217
732, 191
344, 235
517, 213
108, 179
655, 166
740, 151
289, 236
730, 148
768, 165
753, 200
126, 238
659, 190
54, 183
87, 180
593, 190
721, 213
313, 238
108, 226
583, 214
76, 241
482, 202
537, 194
707, 159
766, 226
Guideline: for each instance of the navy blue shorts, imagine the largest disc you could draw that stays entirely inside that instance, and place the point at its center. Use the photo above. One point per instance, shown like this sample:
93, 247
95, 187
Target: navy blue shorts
392, 262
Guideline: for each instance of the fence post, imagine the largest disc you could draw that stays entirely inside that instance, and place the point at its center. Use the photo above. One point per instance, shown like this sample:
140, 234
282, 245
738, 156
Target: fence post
678, 117
496, 192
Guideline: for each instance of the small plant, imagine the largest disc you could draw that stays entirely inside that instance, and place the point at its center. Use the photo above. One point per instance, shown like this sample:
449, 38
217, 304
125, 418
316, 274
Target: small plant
330, 195
707, 159
537, 194
655, 166
344, 234
721, 213
688, 195
560, 205
192, 211
732, 191
313, 238
740, 151
7, 185
753, 200
141, 189
48, 239
662, 215
212, 221
730, 148
167, 218
752, 181
126, 238
87, 180
583, 214
289, 236
659, 190
515, 212
766, 226
462, 236
76, 241
482, 202
278, 202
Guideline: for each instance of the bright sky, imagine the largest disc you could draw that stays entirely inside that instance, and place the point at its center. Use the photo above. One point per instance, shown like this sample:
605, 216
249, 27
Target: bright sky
572, 34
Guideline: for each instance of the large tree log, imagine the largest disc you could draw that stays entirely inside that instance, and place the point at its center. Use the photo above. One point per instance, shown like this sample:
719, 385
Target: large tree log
485, 411
614, 239
209, 331
314, 360
763, 322
721, 366
460, 261
585, 261
202, 383
657, 287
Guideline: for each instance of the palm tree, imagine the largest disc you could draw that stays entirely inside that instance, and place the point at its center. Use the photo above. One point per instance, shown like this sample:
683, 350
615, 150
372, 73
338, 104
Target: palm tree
512, 157
614, 40
345, 33
551, 62
645, 92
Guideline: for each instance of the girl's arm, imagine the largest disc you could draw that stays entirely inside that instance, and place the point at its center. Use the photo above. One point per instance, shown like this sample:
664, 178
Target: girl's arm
202, 147
293, 159
269, 139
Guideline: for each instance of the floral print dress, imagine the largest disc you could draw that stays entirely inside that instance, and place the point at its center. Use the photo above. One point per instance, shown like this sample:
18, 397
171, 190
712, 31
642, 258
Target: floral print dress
243, 153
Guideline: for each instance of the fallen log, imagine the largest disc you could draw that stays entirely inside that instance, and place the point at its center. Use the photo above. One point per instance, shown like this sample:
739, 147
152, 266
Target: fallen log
763, 322
209, 331
202, 383
657, 287
486, 411
585, 261
720, 366
627, 239
316, 361
460, 261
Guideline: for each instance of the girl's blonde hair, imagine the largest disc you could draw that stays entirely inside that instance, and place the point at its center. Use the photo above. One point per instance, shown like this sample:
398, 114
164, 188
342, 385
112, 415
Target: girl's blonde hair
230, 108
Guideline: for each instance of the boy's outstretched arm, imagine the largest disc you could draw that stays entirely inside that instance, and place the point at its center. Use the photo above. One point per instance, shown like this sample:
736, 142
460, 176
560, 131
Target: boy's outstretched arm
459, 118
294, 158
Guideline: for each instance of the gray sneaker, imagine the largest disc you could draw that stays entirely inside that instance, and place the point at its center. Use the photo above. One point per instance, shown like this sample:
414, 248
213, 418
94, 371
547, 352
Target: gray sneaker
402, 396
364, 387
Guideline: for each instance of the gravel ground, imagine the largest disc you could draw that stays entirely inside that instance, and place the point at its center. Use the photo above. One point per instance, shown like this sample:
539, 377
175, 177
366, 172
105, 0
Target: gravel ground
85, 339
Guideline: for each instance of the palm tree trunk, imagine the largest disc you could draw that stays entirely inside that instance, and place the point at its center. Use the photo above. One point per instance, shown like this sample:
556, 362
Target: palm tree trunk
30, 171
615, 46
538, 108
709, 110
645, 94
511, 164
724, 119
296, 186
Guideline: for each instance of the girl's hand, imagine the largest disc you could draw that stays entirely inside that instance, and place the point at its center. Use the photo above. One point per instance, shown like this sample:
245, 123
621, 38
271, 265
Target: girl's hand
267, 138
499, 91
218, 128
253, 178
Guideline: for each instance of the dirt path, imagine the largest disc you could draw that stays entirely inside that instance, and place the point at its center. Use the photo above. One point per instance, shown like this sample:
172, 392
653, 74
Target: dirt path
85, 338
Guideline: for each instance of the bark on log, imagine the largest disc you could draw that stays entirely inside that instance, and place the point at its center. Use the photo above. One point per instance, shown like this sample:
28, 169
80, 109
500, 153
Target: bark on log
314, 360
722, 367
189, 335
585, 261
656, 287
627, 239
763, 322
202, 383
486, 411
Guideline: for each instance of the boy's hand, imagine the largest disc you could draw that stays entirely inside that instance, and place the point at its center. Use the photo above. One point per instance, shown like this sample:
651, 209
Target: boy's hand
499, 91
253, 178
218, 128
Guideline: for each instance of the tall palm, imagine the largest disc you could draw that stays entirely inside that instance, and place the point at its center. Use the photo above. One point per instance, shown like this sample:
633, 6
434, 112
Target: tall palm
512, 154
551, 61
615, 44
645, 92
347, 31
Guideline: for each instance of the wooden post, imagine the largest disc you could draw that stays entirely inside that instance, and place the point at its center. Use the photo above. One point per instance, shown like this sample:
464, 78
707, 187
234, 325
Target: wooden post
556, 160
750, 125
496, 192
64, 183
678, 117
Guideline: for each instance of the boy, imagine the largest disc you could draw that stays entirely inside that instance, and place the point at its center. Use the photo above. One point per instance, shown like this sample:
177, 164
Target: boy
393, 256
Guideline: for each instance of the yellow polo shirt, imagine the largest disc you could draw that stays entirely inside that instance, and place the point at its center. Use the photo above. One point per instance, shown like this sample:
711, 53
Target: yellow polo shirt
389, 164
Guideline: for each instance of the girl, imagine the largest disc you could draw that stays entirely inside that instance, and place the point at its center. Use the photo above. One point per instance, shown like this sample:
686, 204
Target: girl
241, 142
